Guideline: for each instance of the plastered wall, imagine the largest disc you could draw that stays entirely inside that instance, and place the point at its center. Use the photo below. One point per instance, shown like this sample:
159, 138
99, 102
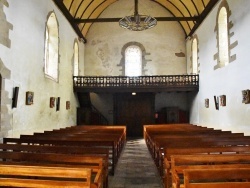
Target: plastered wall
229, 80
164, 48
22, 64
164, 44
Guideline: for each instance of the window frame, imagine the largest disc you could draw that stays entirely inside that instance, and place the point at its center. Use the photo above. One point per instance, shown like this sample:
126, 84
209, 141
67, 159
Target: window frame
76, 59
51, 48
129, 68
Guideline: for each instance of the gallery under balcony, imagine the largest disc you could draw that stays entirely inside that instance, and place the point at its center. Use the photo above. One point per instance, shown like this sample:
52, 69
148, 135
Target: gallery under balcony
116, 84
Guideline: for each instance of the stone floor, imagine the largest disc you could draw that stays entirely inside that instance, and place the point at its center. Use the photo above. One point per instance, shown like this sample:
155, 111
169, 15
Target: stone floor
135, 168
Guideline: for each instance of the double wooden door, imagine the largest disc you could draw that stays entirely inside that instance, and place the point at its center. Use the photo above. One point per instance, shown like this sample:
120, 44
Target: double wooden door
134, 111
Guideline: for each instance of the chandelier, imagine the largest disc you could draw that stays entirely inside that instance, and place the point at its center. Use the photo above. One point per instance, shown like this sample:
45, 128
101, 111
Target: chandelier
137, 22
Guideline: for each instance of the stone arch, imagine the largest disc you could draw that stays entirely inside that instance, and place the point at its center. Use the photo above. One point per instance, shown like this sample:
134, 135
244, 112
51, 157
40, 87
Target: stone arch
224, 13
51, 49
122, 61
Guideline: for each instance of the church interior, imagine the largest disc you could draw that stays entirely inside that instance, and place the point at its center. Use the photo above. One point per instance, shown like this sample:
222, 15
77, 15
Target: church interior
127, 65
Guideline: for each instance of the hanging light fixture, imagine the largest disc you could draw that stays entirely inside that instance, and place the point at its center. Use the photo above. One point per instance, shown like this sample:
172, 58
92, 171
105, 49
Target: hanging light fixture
137, 22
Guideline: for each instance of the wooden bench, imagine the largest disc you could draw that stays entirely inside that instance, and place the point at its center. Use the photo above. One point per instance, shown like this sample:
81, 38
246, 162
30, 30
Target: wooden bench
97, 130
57, 160
98, 152
217, 178
111, 137
168, 152
45, 177
194, 143
179, 163
56, 141
117, 138
156, 130
159, 139
165, 140
164, 133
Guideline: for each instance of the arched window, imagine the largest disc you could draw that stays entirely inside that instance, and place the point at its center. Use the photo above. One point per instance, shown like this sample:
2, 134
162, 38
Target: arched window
133, 61
194, 56
51, 48
223, 37
76, 59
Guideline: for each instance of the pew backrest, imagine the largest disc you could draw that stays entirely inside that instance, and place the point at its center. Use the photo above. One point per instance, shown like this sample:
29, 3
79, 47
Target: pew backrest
46, 177
217, 178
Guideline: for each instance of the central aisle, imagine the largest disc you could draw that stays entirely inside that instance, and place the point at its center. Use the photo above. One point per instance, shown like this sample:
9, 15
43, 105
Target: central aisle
135, 168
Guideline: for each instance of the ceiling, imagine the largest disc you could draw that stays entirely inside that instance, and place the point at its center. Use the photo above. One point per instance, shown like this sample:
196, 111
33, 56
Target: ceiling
83, 13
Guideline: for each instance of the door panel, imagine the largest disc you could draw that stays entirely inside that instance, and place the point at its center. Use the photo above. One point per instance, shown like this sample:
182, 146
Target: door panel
134, 111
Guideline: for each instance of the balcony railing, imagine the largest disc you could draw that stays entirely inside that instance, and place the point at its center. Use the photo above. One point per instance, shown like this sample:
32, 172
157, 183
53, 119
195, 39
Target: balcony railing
139, 82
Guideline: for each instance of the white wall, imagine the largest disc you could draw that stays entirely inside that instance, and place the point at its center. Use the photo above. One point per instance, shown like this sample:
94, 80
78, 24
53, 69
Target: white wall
106, 40
24, 60
229, 80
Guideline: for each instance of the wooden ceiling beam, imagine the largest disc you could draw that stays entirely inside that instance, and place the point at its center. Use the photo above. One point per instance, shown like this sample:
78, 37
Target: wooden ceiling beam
69, 17
203, 15
77, 21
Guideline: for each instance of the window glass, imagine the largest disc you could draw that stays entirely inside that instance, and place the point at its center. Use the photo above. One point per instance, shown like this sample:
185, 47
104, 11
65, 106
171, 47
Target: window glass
76, 59
194, 56
133, 61
51, 48
223, 37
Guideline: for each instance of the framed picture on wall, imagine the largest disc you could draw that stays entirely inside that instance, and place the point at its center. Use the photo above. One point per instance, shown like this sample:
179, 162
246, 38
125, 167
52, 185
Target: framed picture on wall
67, 105
207, 103
29, 97
223, 100
52, 102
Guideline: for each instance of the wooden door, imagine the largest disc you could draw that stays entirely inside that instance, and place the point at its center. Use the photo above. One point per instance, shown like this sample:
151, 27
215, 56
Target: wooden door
134, 111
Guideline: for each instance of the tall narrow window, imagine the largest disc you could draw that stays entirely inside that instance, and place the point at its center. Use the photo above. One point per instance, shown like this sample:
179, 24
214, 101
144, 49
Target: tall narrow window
76, 59
51, 48
133, 61
194, 56
223, 37
224, 32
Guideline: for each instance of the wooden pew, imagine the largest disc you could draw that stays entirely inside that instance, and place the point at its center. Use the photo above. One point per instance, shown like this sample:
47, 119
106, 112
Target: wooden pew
112, 137
179, 163
116, 137
56, 141
45, 177
195, 143
94, 129
161, 138
213, 178
153, 130
98, 152
120, 129
186, 136
57, 160
158, 134
168, 152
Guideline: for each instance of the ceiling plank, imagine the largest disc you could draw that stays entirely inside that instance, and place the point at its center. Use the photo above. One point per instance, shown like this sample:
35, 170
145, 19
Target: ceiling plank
203, 15
69, 17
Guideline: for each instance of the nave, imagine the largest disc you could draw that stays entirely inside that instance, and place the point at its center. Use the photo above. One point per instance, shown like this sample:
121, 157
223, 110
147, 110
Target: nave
135, 168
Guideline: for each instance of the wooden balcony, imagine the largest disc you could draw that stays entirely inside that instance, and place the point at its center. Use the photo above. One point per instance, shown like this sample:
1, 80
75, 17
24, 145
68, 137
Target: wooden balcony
159, 83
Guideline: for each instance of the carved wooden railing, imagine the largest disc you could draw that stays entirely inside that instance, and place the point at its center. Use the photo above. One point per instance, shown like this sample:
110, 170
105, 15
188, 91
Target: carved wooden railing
136, 82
